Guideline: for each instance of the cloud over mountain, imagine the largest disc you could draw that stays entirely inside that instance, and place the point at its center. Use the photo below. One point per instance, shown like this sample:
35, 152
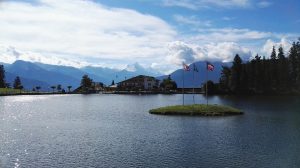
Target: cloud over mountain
74, 28
114, 34
224, 52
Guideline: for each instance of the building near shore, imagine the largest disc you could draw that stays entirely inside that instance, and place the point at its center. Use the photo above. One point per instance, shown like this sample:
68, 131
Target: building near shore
137, 83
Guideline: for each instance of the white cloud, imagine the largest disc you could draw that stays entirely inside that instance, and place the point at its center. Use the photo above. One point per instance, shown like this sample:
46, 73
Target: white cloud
182, 52
192, 20
198, 4
226, 18
230, 35
78, 33
226, 51
268, 46
9, 54
264, 4
76, 29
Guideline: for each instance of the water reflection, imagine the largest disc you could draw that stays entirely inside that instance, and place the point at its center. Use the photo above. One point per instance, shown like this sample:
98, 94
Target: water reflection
117, 131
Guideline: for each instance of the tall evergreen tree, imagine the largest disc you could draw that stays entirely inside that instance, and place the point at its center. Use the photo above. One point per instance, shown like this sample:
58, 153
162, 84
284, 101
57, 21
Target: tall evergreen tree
273, 70
282, 69
293, 67
17, 83
2, 77
265, 82
280, 53
236, 74
225, 79
298, 64
273, 54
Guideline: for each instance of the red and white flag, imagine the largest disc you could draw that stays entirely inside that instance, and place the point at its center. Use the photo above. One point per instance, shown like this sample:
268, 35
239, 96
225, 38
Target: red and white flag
210, 66
185, 67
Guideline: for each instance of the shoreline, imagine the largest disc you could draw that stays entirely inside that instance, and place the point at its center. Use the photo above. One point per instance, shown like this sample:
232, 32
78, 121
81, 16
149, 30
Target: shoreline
144, 93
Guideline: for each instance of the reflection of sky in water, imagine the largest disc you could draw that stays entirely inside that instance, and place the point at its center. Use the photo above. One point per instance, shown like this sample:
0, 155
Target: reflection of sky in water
27, 98
22, 107
118, 131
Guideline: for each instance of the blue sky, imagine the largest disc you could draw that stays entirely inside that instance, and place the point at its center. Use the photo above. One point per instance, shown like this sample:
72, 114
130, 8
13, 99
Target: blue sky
160, 34
254, 15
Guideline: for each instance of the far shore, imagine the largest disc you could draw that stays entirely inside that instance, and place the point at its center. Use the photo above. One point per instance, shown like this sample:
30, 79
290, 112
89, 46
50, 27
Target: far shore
130, 93
119, 92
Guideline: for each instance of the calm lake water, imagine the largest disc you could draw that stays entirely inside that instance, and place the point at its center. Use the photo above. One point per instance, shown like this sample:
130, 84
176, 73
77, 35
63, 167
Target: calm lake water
117, 131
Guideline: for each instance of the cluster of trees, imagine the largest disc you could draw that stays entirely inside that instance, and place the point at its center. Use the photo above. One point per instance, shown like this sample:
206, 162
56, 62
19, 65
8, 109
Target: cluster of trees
60, 89
3, 84
168, 84
86, 83
278, 74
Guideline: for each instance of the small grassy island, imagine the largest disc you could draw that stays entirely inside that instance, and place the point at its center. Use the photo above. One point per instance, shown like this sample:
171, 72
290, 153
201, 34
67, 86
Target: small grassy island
197, 109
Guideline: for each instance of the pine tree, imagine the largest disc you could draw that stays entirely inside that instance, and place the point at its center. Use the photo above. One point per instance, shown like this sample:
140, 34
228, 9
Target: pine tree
2, 77
273, 70
225, 79
293, 67
236, 74
282, 69
298, 64
280, 53
17, 83
273, 54
265, 75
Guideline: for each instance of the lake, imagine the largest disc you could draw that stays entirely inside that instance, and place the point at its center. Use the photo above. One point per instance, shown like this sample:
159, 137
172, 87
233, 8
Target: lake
117, 131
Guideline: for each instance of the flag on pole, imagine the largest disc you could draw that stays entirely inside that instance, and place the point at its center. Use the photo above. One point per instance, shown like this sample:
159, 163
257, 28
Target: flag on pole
185, 67
210, 66
195, 68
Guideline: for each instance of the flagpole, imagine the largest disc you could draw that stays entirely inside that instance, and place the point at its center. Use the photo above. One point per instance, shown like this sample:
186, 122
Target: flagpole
194, 83
206, 83
183, 87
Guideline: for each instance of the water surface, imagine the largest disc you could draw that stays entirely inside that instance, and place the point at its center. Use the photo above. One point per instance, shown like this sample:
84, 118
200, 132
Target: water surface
117, 131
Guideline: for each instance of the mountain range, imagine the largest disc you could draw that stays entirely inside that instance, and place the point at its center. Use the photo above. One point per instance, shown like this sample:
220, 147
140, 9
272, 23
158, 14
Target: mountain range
34, 74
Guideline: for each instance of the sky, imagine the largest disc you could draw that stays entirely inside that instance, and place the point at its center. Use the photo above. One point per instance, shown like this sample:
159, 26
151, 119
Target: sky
160, 34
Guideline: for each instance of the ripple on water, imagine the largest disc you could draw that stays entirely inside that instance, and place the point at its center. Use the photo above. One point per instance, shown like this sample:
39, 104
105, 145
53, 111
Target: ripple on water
117, 131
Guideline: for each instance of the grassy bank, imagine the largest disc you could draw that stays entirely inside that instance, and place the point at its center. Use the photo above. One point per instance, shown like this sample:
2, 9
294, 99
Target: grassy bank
9, 91
198, 109
16, 92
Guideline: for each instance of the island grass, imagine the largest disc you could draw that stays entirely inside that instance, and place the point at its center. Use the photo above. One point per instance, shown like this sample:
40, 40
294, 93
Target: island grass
197, 109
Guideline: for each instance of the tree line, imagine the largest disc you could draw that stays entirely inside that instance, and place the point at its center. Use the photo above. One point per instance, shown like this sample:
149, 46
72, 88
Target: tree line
278, 74
18, 83
3, 84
